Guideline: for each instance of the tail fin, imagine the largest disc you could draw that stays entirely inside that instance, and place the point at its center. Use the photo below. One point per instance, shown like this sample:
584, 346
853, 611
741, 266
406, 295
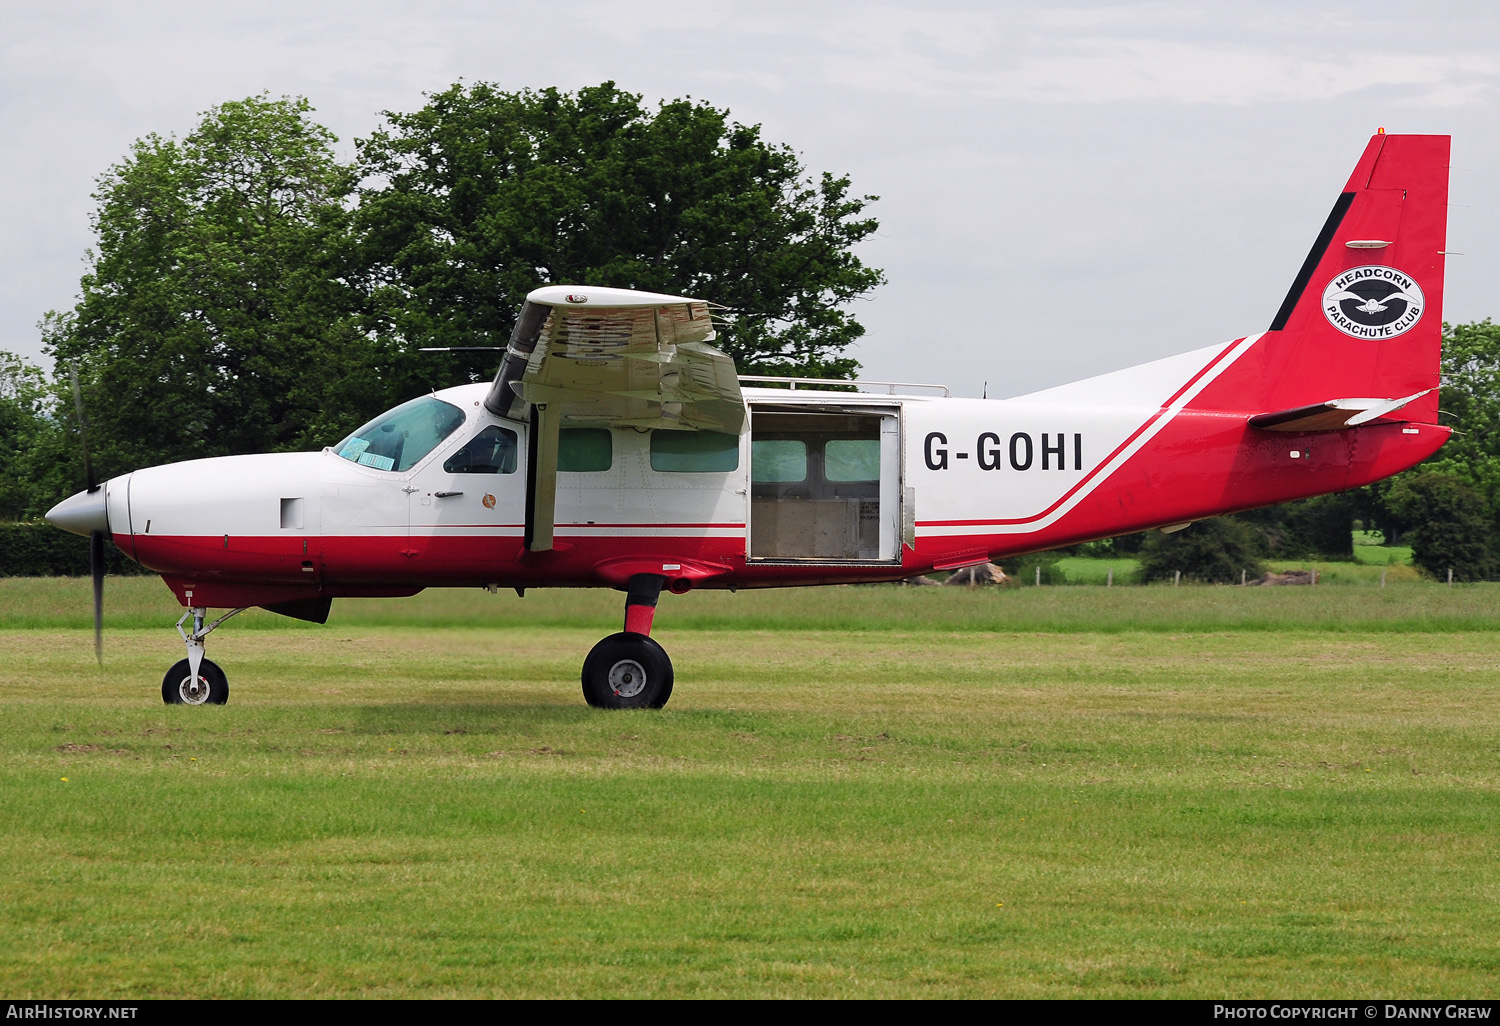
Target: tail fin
1363, 319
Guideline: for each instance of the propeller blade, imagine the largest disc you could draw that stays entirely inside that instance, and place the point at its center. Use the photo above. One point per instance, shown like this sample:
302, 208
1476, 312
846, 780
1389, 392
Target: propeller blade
96, 568
96, 537
83, 429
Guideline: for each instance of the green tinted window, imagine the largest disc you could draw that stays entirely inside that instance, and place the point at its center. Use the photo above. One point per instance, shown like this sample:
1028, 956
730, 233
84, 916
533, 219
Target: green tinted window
694, 452
398, 438
852, 459
778, 460
492, 451
584, 450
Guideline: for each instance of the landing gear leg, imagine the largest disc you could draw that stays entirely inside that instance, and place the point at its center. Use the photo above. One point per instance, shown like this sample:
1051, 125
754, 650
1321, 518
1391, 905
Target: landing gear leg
196, 680
629, 670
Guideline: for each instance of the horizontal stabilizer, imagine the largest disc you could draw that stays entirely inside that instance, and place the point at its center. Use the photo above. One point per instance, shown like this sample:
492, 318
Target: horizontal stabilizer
1332, 415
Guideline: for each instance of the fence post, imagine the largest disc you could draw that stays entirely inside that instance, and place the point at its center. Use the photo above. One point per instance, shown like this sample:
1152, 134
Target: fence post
1039, 575
1450, 577
1109, 578
1176, 578
1242, 578
1382, 576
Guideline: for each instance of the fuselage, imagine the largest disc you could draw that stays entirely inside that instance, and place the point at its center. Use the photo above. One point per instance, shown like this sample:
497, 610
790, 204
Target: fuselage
819, 487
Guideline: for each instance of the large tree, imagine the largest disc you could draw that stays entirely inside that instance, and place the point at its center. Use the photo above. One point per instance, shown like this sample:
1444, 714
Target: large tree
217, 307
1449, 524
482, 195
1471, 405
25, 427
1321, 527
1470, 398
1220, 550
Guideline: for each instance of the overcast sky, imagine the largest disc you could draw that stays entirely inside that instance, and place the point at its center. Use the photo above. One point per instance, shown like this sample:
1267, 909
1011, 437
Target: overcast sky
1064, 188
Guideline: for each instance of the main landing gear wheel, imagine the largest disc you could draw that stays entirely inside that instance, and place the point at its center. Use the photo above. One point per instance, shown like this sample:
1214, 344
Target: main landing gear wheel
179, 688
627, 671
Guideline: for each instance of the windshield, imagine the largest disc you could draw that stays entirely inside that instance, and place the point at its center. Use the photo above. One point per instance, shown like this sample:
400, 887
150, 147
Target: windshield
398, 439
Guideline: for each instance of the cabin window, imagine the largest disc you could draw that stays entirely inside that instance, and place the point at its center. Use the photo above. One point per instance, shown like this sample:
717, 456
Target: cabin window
694, 452
852, 459
584, 450
778, 460
492, 451
398, 439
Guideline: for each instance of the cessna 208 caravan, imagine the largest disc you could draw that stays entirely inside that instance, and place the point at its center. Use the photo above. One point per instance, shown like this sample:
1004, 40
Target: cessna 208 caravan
617, 448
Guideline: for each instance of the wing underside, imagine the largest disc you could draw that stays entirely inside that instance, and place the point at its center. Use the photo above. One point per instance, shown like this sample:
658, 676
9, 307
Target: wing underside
596, 357
612, 358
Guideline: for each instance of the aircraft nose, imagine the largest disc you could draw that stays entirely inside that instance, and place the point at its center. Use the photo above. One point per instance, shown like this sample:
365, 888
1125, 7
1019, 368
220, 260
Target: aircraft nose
81, 513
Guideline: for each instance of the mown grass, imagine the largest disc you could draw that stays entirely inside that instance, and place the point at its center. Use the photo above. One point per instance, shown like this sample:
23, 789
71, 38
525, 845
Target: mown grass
1408, 603
862, 792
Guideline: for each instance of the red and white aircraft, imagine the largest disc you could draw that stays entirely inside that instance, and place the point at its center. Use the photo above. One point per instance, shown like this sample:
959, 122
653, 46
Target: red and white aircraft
616, 448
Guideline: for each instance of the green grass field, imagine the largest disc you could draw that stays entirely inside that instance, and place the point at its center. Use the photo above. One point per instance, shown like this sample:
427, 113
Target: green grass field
1370, 547
1372, 558
855, 792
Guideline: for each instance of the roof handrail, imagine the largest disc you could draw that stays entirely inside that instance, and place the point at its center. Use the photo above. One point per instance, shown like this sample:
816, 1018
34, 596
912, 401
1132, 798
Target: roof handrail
889, 386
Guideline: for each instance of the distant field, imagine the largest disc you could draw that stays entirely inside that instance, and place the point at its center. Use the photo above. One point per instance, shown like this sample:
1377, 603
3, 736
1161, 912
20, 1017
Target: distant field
1086, 570
855, 792
145, 603
1371, 557
1370, 547
1367, 573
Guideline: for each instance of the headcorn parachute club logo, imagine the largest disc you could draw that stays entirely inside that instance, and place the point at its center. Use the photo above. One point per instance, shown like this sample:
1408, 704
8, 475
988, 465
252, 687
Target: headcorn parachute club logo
1373, 302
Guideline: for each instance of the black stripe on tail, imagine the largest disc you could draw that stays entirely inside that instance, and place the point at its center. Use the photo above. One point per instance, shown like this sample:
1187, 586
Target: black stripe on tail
1314, 257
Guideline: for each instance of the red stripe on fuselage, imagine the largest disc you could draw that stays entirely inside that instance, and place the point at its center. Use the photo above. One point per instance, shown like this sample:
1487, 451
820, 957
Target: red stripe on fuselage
1187, 473
1093, 476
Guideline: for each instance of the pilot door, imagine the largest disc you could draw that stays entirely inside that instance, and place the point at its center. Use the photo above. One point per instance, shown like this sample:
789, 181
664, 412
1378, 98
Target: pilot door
825, 484
466, 505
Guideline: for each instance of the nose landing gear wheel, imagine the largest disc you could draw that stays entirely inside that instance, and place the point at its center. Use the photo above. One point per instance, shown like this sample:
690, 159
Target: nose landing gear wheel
627, 671
179, 688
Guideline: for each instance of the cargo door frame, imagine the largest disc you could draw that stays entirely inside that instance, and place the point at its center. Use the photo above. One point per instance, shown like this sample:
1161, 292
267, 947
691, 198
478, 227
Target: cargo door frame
800, 520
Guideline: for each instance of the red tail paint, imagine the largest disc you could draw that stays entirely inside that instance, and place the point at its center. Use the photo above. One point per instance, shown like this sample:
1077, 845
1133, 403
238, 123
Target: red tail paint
1363, 317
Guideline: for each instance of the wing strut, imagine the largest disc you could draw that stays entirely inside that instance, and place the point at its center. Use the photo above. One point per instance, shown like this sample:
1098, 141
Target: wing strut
541, 478
612, 358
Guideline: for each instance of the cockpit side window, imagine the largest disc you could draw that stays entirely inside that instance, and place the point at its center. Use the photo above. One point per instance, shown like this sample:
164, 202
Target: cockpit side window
492, 451
398, 439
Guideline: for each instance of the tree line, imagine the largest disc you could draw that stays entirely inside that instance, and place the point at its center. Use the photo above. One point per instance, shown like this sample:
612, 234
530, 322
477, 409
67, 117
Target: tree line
250, 292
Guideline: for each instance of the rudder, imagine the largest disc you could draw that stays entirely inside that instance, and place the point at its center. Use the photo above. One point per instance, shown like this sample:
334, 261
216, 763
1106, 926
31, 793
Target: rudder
1363, 317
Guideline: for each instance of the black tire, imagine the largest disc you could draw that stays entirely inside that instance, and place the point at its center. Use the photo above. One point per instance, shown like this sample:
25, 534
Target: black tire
627, 671
213, 686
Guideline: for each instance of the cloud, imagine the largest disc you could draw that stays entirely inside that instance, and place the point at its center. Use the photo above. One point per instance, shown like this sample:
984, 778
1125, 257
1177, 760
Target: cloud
1064, 154
1145, 53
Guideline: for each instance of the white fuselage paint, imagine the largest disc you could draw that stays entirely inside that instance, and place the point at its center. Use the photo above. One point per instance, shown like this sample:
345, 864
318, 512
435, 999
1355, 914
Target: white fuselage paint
1014, 466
